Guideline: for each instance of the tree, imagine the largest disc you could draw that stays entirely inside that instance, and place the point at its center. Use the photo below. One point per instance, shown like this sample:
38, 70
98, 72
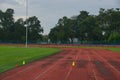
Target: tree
1, 27
62, 31
19, 33
7, 23
78, 27
109, 21
34, 28
87, 27
53, 35
14, 31
114, 37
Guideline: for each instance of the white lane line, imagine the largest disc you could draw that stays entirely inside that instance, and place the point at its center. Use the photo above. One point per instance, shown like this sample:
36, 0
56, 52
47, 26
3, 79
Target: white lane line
108, 63
44, 72
17, 73
71, 68
48, 69
23, 70
92, 67
68, 74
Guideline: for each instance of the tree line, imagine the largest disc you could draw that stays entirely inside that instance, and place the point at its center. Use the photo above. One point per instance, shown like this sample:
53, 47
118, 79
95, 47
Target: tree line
12, 30
86, 27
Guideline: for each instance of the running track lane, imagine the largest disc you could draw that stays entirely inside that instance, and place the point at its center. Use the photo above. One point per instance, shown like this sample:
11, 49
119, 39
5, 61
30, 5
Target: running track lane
111, 72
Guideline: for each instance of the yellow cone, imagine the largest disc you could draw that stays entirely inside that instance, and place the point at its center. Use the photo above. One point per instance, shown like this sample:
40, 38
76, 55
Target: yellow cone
23, 62
73, 63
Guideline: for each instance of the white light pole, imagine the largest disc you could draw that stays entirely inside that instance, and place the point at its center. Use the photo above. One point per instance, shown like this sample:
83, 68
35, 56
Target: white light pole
26, 43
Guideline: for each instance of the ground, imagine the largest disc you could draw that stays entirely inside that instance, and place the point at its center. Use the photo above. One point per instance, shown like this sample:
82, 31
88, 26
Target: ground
10, 57
90, 64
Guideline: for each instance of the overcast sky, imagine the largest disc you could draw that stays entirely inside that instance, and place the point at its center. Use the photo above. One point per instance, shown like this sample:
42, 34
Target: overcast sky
49, 11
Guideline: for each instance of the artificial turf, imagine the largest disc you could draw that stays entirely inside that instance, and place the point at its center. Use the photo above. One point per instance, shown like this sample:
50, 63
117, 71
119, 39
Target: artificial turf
10, 56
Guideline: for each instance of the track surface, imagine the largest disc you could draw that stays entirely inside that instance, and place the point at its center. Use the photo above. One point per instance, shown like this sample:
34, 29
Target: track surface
90, 64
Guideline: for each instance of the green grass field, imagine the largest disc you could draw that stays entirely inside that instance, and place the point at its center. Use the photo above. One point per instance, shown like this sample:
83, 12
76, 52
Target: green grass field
114, 49
10, 56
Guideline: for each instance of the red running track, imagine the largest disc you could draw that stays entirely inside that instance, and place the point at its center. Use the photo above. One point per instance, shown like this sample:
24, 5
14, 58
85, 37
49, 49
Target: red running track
90, 64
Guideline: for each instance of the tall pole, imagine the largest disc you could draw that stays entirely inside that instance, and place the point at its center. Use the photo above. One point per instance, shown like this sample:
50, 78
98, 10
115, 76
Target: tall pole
26, 44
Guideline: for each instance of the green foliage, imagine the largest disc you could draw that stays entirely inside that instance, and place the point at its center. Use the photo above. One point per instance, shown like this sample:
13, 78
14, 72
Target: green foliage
10, 56
34, 28
14, 31
114, 49
61, 31
115, 36
86, 27
19, 32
